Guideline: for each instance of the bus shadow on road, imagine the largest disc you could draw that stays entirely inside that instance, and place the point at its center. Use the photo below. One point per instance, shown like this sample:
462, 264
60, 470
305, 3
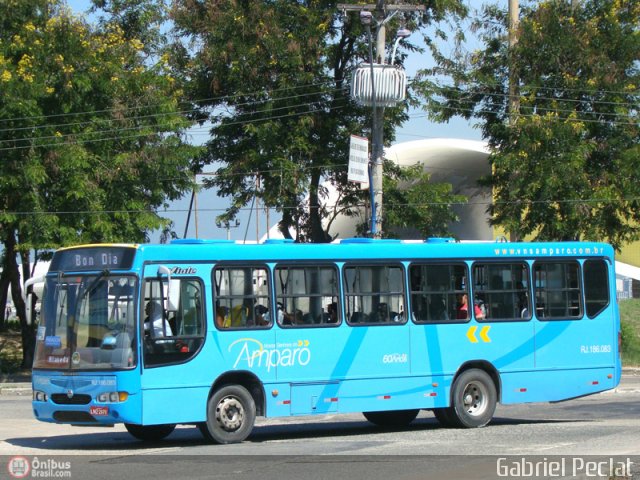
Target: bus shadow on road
342, 429
112, 441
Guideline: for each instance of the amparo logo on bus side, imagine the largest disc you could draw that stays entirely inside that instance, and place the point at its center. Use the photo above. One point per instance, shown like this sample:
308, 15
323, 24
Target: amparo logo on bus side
254, 354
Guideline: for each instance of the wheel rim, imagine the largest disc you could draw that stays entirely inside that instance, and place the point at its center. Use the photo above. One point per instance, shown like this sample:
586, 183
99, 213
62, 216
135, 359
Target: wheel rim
475, 398
230, 413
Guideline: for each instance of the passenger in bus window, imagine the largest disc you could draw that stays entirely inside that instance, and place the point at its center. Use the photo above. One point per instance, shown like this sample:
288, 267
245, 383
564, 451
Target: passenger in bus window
438, 309
332, 311
463, 309
479, 308
261, 314
239, 314
279, 314
222, 319
156, 320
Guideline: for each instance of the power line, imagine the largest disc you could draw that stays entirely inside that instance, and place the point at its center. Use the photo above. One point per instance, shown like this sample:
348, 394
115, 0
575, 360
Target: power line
593, 91
166, 114
158, 127
150, 105
319, 92
297, 114
533, 115
524, 96
357, 205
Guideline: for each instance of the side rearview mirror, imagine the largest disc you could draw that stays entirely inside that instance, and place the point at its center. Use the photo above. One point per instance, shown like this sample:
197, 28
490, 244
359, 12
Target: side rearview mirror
28, 298
171, 290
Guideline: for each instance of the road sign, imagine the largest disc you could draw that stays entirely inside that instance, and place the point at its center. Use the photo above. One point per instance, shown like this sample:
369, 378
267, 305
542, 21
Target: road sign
358, 160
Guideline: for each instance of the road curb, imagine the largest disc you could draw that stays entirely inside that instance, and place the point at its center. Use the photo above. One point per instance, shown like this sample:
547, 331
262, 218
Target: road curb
15, 389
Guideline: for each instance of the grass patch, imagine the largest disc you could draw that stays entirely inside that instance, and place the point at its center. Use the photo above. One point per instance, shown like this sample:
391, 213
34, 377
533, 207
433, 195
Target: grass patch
630, 323
10, 352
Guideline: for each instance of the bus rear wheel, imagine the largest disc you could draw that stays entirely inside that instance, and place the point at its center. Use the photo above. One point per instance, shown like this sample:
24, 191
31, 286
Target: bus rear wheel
231, 413
473, 399
149, 433
394, 418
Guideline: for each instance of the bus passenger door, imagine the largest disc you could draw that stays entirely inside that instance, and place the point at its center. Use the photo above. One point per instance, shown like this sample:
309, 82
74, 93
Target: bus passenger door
176, 374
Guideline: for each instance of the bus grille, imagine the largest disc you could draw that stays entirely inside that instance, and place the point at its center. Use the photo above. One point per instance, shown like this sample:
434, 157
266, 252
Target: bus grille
74, 417
63, 399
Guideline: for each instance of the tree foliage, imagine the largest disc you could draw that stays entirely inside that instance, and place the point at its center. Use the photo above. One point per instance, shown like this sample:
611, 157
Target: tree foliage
568, 165
415, 207
272, 77
90, 133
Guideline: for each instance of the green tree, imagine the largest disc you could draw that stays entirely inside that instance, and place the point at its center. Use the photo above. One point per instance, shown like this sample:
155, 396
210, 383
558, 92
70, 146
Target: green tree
90, 136
278, 73
414, 207
568, 165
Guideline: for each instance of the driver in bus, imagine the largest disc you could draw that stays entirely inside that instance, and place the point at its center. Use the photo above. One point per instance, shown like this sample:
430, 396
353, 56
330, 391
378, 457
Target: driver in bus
161, 327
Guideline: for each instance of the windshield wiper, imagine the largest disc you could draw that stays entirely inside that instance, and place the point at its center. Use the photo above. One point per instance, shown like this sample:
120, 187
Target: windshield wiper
90, 288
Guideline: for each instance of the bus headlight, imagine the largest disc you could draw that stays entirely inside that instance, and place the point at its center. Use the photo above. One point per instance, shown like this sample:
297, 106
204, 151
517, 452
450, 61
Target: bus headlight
112, 397
40, 396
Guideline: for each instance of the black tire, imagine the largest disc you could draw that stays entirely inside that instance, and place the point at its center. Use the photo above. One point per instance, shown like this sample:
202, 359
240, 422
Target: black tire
150, 433
231, 413
443, 415
393, 418
473, 399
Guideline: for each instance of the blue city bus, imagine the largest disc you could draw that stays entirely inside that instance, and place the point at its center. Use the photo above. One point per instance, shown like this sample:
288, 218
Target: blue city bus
215, 333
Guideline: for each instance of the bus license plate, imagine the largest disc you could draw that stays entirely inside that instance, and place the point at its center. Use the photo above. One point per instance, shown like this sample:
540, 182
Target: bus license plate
99, 411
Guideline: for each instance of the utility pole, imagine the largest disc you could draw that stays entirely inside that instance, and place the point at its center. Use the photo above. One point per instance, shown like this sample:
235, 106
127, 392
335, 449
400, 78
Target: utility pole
514, 100
514, 78
382, 14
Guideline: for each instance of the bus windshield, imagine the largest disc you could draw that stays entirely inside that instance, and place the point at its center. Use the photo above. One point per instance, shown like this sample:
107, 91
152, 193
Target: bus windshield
87, 322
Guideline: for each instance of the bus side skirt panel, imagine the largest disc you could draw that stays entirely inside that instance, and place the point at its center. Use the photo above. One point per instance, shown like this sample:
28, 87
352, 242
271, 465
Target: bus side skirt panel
555, 385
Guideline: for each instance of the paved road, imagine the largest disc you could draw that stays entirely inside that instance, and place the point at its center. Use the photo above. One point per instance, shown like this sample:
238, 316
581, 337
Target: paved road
606, 425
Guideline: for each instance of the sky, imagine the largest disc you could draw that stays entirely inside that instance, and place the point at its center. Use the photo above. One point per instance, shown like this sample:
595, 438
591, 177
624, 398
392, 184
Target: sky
202, 221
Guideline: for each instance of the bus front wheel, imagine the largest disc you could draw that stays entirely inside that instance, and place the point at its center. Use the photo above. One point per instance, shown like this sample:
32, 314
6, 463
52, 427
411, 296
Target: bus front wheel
231, 413
394, 418
473, 399
149, 433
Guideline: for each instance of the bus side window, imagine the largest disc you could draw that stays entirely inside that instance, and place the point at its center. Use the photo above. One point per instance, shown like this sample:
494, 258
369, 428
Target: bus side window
375, 294
501, 291
436, 290
307, 296
241, 297
596, 286
557, 290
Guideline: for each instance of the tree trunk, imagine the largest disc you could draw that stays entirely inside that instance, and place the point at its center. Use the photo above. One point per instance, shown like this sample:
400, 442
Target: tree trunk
4, 293
285, 223
27, 331
318, 233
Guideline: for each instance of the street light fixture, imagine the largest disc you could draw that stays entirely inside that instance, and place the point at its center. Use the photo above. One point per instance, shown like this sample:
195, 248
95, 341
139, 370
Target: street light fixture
366, 17
228, 225
401, 34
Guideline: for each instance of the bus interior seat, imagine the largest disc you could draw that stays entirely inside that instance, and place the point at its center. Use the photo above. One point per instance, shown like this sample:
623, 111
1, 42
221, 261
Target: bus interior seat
359, 317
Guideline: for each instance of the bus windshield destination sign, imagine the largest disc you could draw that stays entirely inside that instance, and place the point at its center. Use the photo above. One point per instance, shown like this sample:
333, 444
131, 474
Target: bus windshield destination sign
93, 258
